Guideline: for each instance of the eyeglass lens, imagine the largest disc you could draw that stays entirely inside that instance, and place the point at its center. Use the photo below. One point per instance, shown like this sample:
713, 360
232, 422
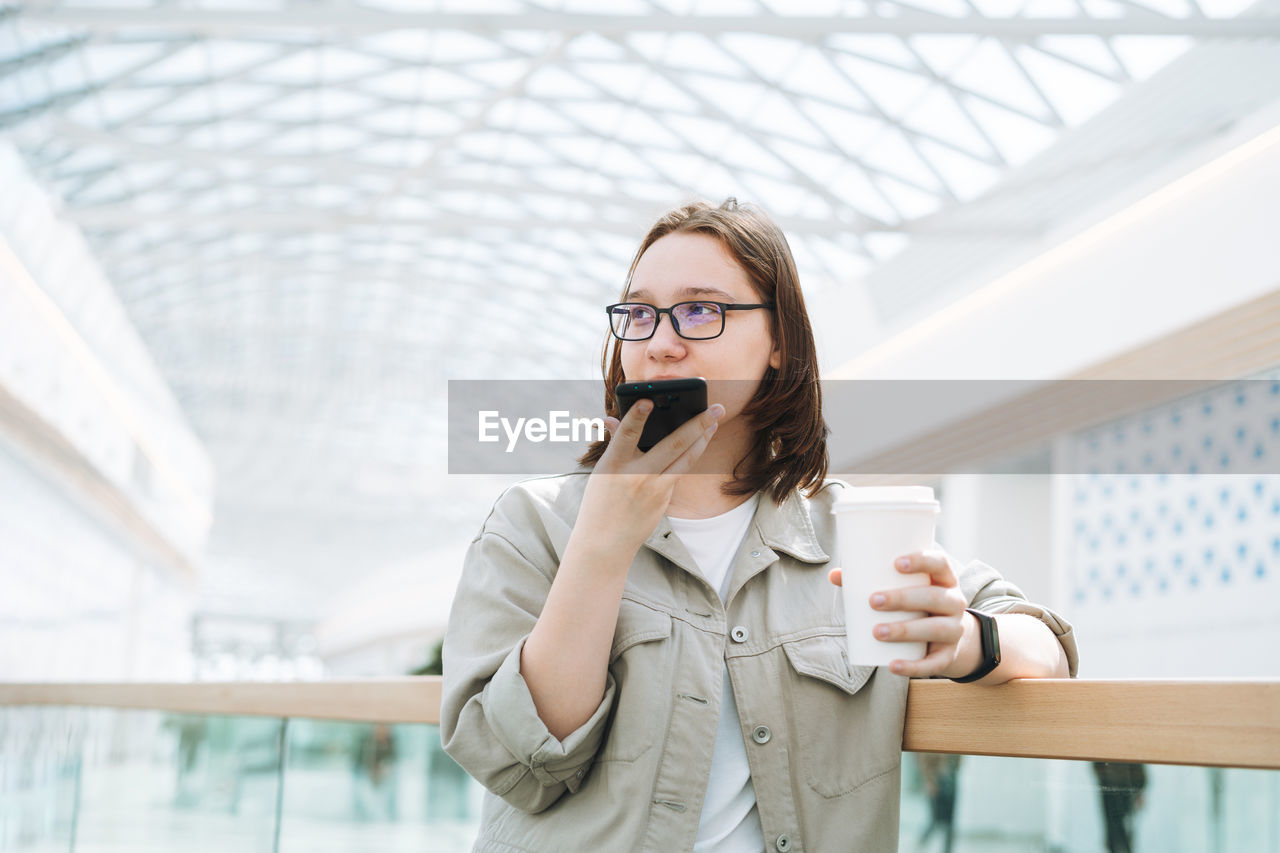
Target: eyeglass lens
636, 321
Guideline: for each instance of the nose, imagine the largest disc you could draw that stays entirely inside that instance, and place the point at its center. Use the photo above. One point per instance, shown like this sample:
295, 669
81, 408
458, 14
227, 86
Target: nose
665, 344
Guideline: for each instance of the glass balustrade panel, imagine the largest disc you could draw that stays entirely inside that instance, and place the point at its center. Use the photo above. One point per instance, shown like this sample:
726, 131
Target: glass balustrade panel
374, 786
983, 804
84, 779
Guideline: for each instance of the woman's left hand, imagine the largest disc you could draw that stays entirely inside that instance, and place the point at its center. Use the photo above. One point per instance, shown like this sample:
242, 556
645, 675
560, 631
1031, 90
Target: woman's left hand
943, 604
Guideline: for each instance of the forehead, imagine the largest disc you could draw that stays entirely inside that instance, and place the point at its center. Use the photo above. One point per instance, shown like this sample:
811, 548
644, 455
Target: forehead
689, 266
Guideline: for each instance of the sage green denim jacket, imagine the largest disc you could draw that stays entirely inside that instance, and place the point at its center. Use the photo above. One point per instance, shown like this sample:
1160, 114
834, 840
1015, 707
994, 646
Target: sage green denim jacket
823, 738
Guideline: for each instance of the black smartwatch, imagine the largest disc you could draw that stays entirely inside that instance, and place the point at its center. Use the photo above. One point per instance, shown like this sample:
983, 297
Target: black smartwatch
990, 647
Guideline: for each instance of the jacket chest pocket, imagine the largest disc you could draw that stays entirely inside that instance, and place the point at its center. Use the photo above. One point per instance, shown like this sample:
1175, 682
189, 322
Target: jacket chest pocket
848, 719
640, 662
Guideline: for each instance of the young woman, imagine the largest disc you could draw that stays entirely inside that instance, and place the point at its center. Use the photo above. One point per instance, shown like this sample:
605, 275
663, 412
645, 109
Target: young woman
648, 654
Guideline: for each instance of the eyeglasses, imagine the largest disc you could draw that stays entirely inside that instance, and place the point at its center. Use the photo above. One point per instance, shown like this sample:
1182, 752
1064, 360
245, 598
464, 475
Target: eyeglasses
695, 321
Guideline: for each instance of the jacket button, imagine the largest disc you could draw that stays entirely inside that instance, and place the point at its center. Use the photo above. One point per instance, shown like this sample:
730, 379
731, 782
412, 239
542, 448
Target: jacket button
739, 634
783, 843
762, 735
755, 553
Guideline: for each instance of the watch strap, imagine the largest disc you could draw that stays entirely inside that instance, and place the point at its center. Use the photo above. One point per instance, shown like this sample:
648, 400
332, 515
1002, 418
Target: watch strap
990, 635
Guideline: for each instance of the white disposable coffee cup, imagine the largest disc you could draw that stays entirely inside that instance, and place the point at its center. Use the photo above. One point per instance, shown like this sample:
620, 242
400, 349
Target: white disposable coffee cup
875, 525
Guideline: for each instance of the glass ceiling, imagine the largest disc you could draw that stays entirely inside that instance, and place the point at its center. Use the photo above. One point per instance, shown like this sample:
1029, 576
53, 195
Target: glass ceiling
303, 206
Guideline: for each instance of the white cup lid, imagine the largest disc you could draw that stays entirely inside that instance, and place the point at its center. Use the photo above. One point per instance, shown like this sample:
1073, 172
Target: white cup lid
886, 497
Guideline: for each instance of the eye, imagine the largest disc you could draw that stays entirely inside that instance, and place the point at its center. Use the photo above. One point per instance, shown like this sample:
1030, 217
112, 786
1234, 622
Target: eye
701, 310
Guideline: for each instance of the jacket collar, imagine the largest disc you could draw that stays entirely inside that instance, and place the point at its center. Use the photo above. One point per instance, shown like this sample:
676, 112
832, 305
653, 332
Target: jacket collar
784, 527
787, 527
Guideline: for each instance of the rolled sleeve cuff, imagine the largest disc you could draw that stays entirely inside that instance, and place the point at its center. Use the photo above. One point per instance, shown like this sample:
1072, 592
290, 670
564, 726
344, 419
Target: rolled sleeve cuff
987, 591
1059, 626
517, 726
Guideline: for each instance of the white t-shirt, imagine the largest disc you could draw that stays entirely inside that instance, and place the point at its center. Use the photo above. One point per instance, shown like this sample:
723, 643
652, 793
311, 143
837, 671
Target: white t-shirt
729, 821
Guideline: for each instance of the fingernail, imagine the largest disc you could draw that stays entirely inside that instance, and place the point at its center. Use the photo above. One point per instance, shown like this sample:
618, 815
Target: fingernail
903, 562
716, 410
877, 600
896, 666
882, 630
644, 405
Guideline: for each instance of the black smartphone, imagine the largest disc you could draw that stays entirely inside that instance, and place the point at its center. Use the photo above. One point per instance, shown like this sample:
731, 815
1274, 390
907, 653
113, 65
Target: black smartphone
674, 402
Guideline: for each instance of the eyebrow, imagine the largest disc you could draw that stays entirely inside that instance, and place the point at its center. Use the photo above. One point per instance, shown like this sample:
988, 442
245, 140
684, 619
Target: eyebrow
687, 291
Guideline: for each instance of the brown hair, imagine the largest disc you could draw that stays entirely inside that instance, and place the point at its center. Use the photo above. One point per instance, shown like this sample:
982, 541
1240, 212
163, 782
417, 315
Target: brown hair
790, 448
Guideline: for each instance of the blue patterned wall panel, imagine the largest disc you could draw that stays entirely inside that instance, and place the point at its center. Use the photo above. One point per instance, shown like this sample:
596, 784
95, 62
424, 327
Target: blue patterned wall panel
1160, 515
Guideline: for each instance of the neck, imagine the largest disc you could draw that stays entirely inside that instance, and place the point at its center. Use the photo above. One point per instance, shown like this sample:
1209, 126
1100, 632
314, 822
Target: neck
697, 494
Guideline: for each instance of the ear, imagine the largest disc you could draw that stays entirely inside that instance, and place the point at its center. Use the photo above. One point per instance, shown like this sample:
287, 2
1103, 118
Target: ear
775, 357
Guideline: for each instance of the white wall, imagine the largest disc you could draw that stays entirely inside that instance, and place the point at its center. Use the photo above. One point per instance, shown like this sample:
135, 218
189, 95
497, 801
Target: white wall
1164, 574
1003, 520
78, 602
389, 621
69, 353
1193, 241
79, 597
1176, 574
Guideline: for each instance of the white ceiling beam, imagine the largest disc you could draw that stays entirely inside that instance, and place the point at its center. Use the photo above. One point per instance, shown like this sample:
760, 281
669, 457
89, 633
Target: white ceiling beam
478, 120
123, 214
714, 111
161, 258
60, 102
48, 53
799, 102
116, 214
67, 130
957, 94
326, 166
355, 20
421, 280
297, 194
175, 281
310, 221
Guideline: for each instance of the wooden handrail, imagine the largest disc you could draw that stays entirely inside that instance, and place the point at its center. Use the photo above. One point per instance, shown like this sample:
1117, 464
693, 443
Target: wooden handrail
1211, 723
1214, 723
390, 700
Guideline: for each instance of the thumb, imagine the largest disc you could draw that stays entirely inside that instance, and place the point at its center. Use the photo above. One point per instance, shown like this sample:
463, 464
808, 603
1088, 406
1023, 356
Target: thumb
836, 577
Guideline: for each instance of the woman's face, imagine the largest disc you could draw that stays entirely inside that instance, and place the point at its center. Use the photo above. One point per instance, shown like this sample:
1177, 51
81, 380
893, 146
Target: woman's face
681, 267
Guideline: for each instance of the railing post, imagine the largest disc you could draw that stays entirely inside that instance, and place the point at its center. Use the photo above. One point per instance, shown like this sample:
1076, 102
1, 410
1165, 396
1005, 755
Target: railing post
75, 798
283, 755
1217, 782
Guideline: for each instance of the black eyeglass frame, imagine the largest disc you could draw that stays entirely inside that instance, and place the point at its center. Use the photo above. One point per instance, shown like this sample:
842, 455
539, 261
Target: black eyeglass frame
675, 324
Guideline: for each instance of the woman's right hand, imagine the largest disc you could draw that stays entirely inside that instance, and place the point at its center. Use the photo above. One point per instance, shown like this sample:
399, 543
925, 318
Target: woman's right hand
565, 659
629, 490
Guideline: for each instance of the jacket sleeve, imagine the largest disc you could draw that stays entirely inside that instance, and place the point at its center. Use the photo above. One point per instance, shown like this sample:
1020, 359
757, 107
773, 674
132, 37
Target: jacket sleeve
986, 589
488, 722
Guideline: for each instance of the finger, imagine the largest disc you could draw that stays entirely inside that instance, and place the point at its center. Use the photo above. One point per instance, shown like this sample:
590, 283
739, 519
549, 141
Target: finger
684, 463
698, 428
611, 424
932, 563
929, 629
836, 577
632, 424
947, 601
934, 663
